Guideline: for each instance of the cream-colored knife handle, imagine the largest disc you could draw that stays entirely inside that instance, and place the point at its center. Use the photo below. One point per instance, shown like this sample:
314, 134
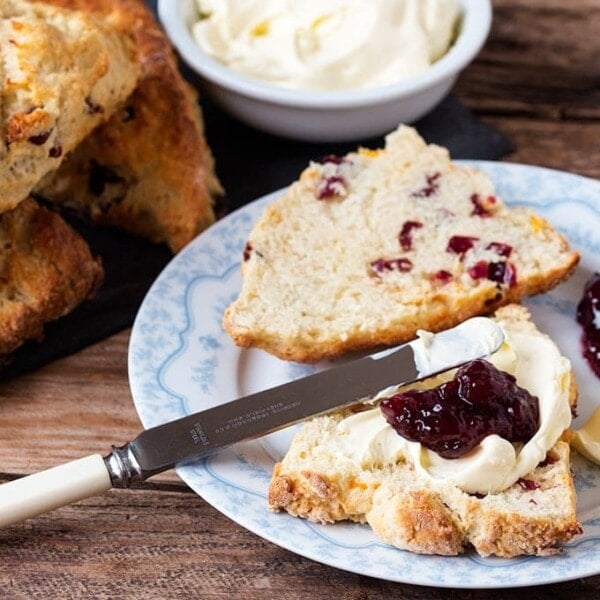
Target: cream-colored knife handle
47, 490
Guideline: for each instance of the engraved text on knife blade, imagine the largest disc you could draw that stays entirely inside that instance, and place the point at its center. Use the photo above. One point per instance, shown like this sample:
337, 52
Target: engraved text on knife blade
201, 433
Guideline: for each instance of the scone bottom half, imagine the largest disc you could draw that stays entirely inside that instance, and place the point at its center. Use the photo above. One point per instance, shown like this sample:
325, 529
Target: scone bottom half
318, 480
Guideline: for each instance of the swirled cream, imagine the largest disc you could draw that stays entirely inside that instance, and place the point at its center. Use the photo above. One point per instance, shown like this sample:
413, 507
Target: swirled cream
326, 44
495, 464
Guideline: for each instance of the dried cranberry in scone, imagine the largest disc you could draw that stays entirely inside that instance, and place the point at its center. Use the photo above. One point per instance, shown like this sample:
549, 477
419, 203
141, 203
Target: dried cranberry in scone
432, 184
381, 265
405, 235
461, 244
334, 180
500, 248
483, 207
442, 277
501, 272
249, 250
332, 186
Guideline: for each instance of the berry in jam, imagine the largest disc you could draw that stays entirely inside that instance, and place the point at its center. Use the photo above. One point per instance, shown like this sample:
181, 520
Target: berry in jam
456, 416
395, 264
405, 236
588, 316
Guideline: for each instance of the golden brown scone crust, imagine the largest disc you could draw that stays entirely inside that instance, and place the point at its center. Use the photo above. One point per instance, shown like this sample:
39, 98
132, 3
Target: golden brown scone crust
413, 514
63, 74
46, 270
148, 170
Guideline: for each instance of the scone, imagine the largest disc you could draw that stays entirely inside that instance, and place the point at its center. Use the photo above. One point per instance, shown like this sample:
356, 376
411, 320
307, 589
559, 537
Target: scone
368, 248
500, 498
46, 270
63, 74
148, 170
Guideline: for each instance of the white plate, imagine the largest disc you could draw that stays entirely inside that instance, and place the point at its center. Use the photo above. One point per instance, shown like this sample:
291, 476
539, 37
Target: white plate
180, 361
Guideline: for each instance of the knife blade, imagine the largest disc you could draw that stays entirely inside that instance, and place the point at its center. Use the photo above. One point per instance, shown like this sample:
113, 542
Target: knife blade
201, 434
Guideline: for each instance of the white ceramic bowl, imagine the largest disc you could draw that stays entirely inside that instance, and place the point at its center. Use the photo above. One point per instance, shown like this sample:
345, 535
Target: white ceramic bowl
323, 116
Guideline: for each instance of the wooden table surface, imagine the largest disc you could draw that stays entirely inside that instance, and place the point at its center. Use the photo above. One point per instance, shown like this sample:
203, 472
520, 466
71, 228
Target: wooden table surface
536, 80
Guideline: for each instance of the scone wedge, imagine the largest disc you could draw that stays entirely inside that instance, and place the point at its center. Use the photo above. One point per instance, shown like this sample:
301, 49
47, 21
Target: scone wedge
368, 248
46, 270
63, 74
148, 170
352, 465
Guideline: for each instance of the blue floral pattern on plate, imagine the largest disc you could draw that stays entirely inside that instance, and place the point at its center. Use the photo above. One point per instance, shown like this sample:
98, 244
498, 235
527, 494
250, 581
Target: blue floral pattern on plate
180, 361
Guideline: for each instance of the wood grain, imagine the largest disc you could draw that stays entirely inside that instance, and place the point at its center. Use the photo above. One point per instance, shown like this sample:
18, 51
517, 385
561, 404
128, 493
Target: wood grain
170, 544
538, 81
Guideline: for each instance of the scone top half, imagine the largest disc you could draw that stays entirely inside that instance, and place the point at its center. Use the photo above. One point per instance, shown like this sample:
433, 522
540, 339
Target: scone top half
368, 248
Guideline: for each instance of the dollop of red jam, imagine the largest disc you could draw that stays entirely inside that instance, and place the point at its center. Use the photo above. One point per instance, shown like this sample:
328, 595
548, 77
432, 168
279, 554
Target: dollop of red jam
405, 236
456, 416
588, 316
431, 187
381, 265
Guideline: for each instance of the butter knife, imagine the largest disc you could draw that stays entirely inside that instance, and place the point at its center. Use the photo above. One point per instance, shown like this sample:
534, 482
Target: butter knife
200, 434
